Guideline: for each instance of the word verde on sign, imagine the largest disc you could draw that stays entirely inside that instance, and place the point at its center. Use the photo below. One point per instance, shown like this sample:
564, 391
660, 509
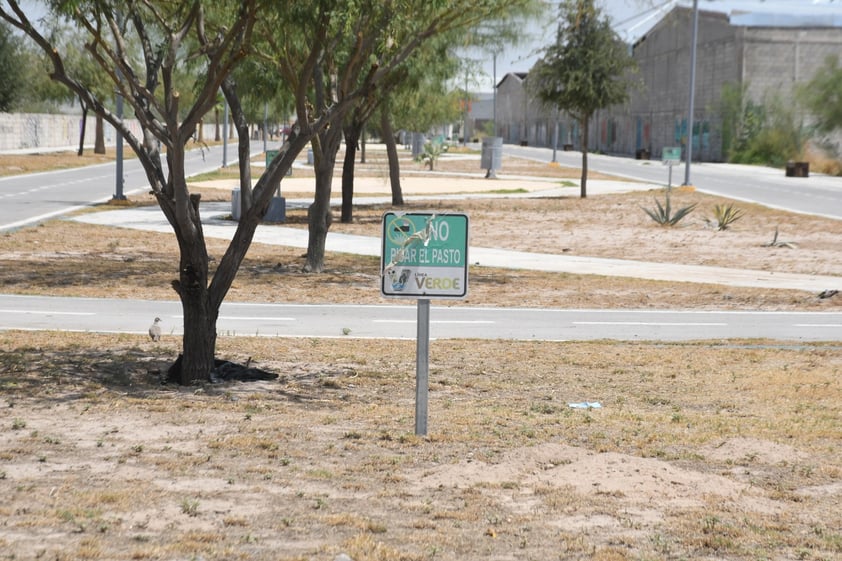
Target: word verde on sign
424, 255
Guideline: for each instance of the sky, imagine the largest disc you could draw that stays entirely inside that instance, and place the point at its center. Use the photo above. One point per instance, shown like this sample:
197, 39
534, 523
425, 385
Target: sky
521, 58
620, 12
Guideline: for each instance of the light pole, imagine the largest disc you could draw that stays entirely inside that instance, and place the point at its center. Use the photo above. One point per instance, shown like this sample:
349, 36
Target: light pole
265, 124
693, 35
225, 136
119, 180
494, 90
118, 187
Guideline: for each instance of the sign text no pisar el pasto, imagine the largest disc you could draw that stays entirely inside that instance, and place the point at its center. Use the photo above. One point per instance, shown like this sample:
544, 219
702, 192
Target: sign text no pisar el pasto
424, 255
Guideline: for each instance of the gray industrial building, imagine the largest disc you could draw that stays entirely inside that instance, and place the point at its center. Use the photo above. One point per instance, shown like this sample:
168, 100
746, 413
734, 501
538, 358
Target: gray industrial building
765, 47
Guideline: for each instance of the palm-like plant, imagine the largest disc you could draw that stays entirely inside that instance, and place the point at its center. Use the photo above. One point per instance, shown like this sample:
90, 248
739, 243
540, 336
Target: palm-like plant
725, 215
664, 215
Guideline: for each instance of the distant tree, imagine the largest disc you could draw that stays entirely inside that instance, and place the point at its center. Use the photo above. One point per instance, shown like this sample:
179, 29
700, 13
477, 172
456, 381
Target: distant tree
767, 133
422, 77
822, 95
11, 64
362, 43
586, 69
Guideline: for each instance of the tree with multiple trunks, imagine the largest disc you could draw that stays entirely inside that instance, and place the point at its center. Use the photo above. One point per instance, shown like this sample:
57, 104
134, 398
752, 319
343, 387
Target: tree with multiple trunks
333, 53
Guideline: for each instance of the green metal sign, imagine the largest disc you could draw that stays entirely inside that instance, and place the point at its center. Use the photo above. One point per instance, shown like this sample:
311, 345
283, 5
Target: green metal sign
424, 255
671, 154
271, 155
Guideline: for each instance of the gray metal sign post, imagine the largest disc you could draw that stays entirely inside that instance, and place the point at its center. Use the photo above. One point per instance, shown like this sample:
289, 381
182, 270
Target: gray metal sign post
422, 366
423, 256
671, 155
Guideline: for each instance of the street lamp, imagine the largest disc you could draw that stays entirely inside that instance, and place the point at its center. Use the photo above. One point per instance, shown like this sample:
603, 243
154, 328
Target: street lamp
692, 91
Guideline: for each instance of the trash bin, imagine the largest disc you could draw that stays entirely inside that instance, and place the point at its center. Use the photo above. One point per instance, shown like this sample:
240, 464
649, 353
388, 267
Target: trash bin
491, 157
277, 211
236, 208
797, 169
418, 141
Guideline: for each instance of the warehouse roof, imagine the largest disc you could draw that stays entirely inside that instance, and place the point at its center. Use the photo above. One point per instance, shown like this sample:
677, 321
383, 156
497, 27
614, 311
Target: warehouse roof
743, 13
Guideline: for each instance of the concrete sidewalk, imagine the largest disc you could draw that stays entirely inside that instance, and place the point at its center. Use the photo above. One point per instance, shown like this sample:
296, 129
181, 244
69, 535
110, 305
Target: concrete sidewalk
460, 187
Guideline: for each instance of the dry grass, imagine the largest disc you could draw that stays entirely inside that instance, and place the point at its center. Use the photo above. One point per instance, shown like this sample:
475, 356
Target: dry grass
700, 451
13, 164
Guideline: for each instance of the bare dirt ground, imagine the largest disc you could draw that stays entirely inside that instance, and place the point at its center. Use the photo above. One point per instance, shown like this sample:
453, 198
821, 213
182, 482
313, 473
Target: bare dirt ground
709, 450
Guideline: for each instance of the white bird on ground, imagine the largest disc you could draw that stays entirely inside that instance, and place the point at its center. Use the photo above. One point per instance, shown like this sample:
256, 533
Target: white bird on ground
155, 330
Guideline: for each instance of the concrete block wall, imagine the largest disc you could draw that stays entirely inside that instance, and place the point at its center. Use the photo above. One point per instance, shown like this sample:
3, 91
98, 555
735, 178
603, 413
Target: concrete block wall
30, 130
768, 61
34, 131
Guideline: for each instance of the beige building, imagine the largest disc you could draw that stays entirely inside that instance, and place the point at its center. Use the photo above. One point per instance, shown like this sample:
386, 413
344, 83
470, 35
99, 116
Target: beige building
751, 44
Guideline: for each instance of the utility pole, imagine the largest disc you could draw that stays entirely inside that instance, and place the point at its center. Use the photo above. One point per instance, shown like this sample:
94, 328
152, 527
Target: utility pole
693, 36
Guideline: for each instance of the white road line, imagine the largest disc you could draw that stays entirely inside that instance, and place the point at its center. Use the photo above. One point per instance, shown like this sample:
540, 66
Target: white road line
47, 313
655, 323
818, 325
249, 318
433, 321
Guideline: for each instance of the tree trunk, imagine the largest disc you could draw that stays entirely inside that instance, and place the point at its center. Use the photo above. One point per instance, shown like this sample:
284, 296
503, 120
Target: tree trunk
99, 143
318, 215
217, 135
81, 150
584, 191
392, 154
200, 310
199, 341
362, 146
352, 138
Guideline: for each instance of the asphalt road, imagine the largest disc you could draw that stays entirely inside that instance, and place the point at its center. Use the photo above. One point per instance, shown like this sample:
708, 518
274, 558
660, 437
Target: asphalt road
817, 195
30, 198
400, 321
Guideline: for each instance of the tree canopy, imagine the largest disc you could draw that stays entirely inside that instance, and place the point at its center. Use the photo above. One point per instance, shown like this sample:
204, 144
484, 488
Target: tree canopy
10, 68
169, 60
822, 95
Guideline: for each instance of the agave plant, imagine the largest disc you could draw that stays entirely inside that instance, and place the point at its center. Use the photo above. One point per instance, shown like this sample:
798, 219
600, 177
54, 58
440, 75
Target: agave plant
725, 215
664, 215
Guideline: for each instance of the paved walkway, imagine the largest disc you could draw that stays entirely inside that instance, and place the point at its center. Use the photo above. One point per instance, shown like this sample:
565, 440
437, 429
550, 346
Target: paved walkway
375, 190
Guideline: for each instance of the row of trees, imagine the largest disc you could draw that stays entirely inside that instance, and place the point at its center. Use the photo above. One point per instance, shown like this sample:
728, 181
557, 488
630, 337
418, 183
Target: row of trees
338, 62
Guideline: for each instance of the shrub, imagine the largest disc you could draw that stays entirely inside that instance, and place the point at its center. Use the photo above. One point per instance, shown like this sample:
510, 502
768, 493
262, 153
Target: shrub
431, 153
